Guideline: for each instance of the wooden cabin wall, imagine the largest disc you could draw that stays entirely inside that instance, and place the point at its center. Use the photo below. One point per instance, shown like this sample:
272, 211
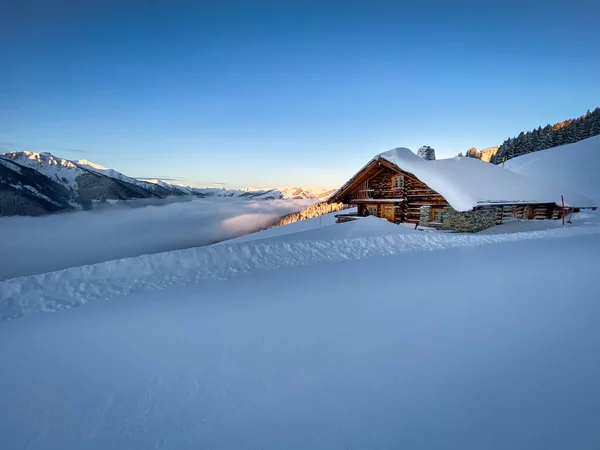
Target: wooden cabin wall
415, 194
418, 194
411, 197
509, 213
380, 185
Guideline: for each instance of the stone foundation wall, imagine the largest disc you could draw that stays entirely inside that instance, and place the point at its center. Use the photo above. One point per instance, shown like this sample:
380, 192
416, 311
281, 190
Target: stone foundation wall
425, 218
466, 222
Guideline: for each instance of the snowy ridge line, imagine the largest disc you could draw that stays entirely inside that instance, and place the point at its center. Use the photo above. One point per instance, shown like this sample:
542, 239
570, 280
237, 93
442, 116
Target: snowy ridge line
79, 285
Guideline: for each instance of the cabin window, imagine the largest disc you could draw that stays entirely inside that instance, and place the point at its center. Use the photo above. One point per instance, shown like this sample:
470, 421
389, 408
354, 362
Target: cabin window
398, 182
437, 215
372, 210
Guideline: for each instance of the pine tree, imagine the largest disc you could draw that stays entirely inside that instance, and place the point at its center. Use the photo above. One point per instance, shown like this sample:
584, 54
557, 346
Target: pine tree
426, 152
595, 123
545, 138
561, 133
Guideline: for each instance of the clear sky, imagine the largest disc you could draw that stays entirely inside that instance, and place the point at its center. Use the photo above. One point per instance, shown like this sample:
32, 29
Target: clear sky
286, 92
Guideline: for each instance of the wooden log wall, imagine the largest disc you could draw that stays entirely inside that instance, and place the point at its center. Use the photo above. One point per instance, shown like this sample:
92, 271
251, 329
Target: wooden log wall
411, 197
418, 194
380, 185
517, 212
542, 212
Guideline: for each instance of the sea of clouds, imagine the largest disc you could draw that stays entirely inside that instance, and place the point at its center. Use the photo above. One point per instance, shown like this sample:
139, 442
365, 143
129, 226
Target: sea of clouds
33, 245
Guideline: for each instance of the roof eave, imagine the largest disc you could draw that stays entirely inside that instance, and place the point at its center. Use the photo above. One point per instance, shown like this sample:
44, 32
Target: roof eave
377, 159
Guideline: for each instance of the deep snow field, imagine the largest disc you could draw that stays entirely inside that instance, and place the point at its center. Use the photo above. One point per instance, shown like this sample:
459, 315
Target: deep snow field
412, 339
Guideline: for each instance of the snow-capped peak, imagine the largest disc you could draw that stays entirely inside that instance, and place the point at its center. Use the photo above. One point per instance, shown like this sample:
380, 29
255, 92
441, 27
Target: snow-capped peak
37, 159
309, 192
85, 162
58, 169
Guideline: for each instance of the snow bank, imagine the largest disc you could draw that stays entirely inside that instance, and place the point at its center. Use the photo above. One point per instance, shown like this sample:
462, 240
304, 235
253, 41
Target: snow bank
570, 167
363, 227
497, 354
303, 225
80, 285
468, 182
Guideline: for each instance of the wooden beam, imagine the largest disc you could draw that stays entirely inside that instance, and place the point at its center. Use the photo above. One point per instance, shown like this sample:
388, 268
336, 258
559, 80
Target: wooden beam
377, 200
356, 180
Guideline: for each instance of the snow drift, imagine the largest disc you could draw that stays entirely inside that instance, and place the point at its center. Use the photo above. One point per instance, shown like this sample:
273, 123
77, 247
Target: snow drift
569, 167
323, 357
79, 285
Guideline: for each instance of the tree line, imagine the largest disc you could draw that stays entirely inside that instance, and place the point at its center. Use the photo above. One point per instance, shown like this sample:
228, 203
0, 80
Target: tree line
561, 133
318, 209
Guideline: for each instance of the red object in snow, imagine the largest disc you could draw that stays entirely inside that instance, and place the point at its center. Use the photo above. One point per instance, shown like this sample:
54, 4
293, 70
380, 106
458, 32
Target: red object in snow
562, 199
595, 208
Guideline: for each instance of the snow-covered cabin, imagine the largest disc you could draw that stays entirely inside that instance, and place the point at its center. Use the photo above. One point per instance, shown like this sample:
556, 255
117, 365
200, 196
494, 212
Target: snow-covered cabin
462, 194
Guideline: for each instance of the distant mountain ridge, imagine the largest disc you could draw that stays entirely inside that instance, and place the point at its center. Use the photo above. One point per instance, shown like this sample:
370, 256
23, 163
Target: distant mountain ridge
37, 183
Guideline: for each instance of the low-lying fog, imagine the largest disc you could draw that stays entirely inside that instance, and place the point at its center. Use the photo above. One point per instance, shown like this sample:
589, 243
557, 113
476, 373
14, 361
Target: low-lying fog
32, 245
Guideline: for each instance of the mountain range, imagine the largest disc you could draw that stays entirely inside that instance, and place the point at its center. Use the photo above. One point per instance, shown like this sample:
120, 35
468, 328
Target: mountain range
37, 183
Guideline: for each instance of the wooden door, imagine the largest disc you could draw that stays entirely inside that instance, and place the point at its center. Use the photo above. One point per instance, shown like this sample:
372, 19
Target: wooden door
388, 212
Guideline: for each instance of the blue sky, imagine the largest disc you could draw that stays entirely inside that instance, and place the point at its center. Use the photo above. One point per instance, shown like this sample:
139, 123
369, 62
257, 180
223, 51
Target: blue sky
285, 92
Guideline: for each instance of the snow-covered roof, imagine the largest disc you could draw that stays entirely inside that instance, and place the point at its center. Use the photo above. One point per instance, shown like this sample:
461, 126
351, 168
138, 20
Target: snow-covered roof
466, 183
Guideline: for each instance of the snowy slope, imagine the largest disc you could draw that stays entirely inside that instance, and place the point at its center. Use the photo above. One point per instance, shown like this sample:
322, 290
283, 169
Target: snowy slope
321, 354
23, 190
361, 228
19, 170
183, 189
9, 165
81, 185
66, 171
469, 182
299, 337
296, 227
80, 285
58, 169
571, 167
325, 228
97, 168
322, 228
